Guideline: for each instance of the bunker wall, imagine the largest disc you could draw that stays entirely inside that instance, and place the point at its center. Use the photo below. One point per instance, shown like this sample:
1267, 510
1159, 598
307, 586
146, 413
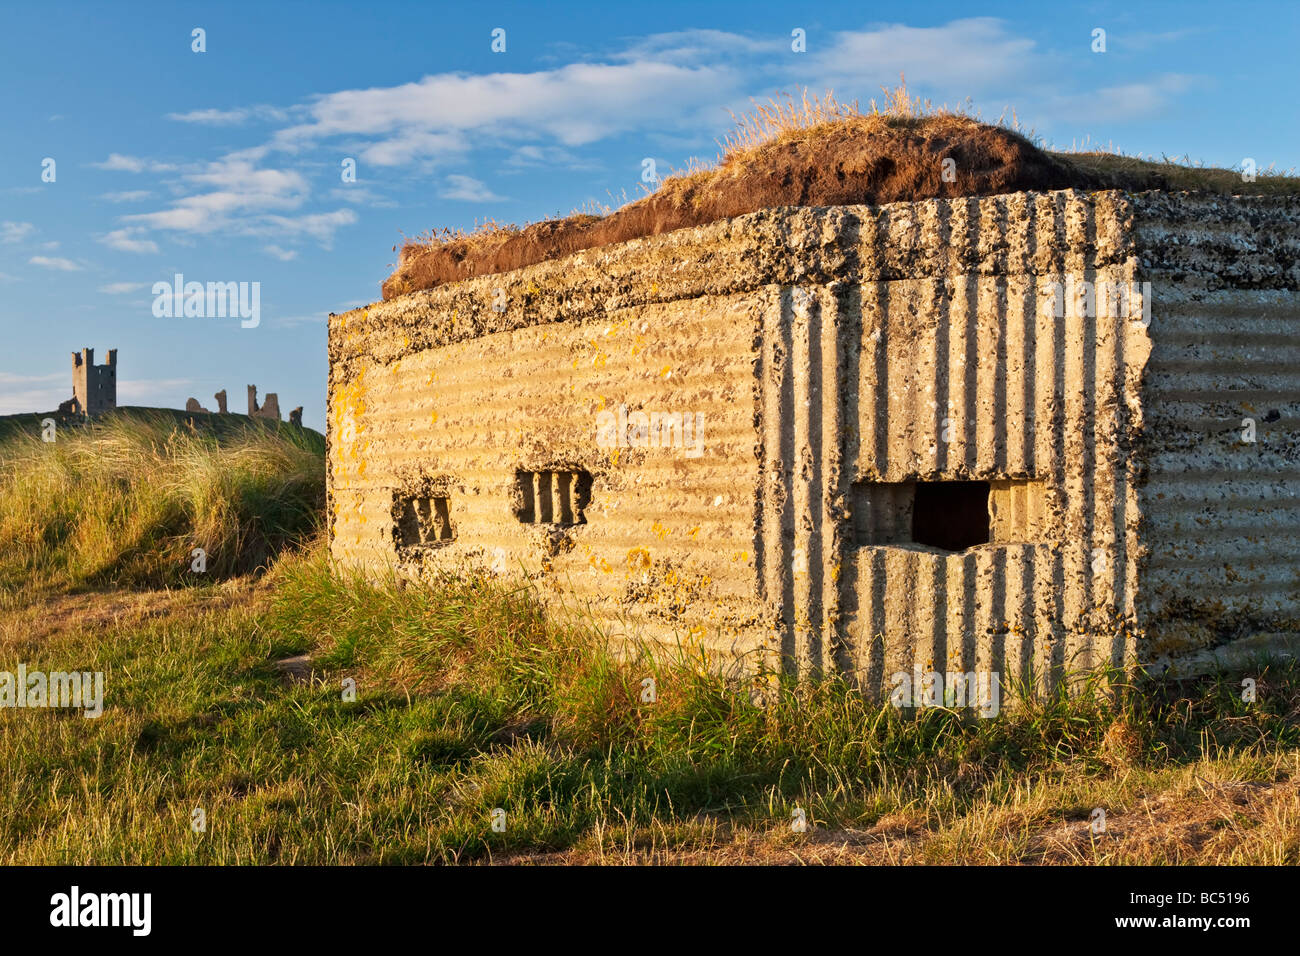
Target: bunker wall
860, 373
1221, 447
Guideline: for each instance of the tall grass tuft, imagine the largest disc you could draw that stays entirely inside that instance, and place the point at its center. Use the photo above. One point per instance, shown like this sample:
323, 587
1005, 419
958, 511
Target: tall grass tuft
126, 501
541, 715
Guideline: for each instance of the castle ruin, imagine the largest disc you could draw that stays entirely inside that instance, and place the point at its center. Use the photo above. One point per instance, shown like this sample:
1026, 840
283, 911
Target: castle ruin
270, 409
94, 387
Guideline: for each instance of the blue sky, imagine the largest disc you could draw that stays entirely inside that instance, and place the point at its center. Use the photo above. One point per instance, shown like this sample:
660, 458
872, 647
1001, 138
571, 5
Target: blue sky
225, 165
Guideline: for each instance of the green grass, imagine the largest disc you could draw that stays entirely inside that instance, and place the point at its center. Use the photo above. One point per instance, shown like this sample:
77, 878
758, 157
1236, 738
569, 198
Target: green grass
125, 500
469, 699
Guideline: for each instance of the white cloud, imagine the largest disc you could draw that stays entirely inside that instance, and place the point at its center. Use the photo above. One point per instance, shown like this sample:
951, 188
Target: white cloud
127, 195
360, 196
9, 378
234, 117
117, 162
127, 240
693, 46
122, 288
574, 104
15, 231
533, 155
54, 262
319, 226
33, 393
467, 188
284, 255
970, 55
1127, 102
670, 89
236, 188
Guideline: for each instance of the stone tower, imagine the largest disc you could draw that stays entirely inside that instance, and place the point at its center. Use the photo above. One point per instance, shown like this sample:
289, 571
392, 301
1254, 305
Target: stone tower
94, 387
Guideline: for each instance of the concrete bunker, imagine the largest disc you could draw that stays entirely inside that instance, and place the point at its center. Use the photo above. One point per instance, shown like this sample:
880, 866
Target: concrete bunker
918, 440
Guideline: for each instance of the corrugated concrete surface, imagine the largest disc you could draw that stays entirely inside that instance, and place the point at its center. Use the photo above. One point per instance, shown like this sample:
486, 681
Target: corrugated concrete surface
770, 439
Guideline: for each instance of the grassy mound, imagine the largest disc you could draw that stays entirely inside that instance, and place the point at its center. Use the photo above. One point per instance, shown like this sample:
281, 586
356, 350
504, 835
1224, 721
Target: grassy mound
125, 500
815, 153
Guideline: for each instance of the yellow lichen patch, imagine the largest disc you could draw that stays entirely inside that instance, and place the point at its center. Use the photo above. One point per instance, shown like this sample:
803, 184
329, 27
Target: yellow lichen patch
694, 531
433, 418
661, 530
666, 371
348, 408
638, 559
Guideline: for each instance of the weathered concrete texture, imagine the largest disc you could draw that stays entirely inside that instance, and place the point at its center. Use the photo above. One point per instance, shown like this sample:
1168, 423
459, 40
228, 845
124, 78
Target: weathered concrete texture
893, 449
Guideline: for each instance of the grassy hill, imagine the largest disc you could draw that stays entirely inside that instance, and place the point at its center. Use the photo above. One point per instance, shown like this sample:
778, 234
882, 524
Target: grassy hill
126, 498
218, 425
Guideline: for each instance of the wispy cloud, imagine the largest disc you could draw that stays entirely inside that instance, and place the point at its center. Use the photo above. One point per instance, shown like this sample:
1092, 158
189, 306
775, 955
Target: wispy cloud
54, 262
117, 162
284, 255
229, 189
9, 378
127, 240
672, 89
1130, 101
574, 104
33, 393
15, 231
467, 188
127, 195
233, 117
974, 56
534, 155
122, 288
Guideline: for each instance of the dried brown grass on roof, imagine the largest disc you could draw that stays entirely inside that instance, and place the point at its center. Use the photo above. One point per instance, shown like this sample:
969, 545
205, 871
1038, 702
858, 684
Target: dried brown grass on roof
813, 152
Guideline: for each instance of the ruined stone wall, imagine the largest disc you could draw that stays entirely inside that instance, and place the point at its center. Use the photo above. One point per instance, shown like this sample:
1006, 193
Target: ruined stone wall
859, 373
